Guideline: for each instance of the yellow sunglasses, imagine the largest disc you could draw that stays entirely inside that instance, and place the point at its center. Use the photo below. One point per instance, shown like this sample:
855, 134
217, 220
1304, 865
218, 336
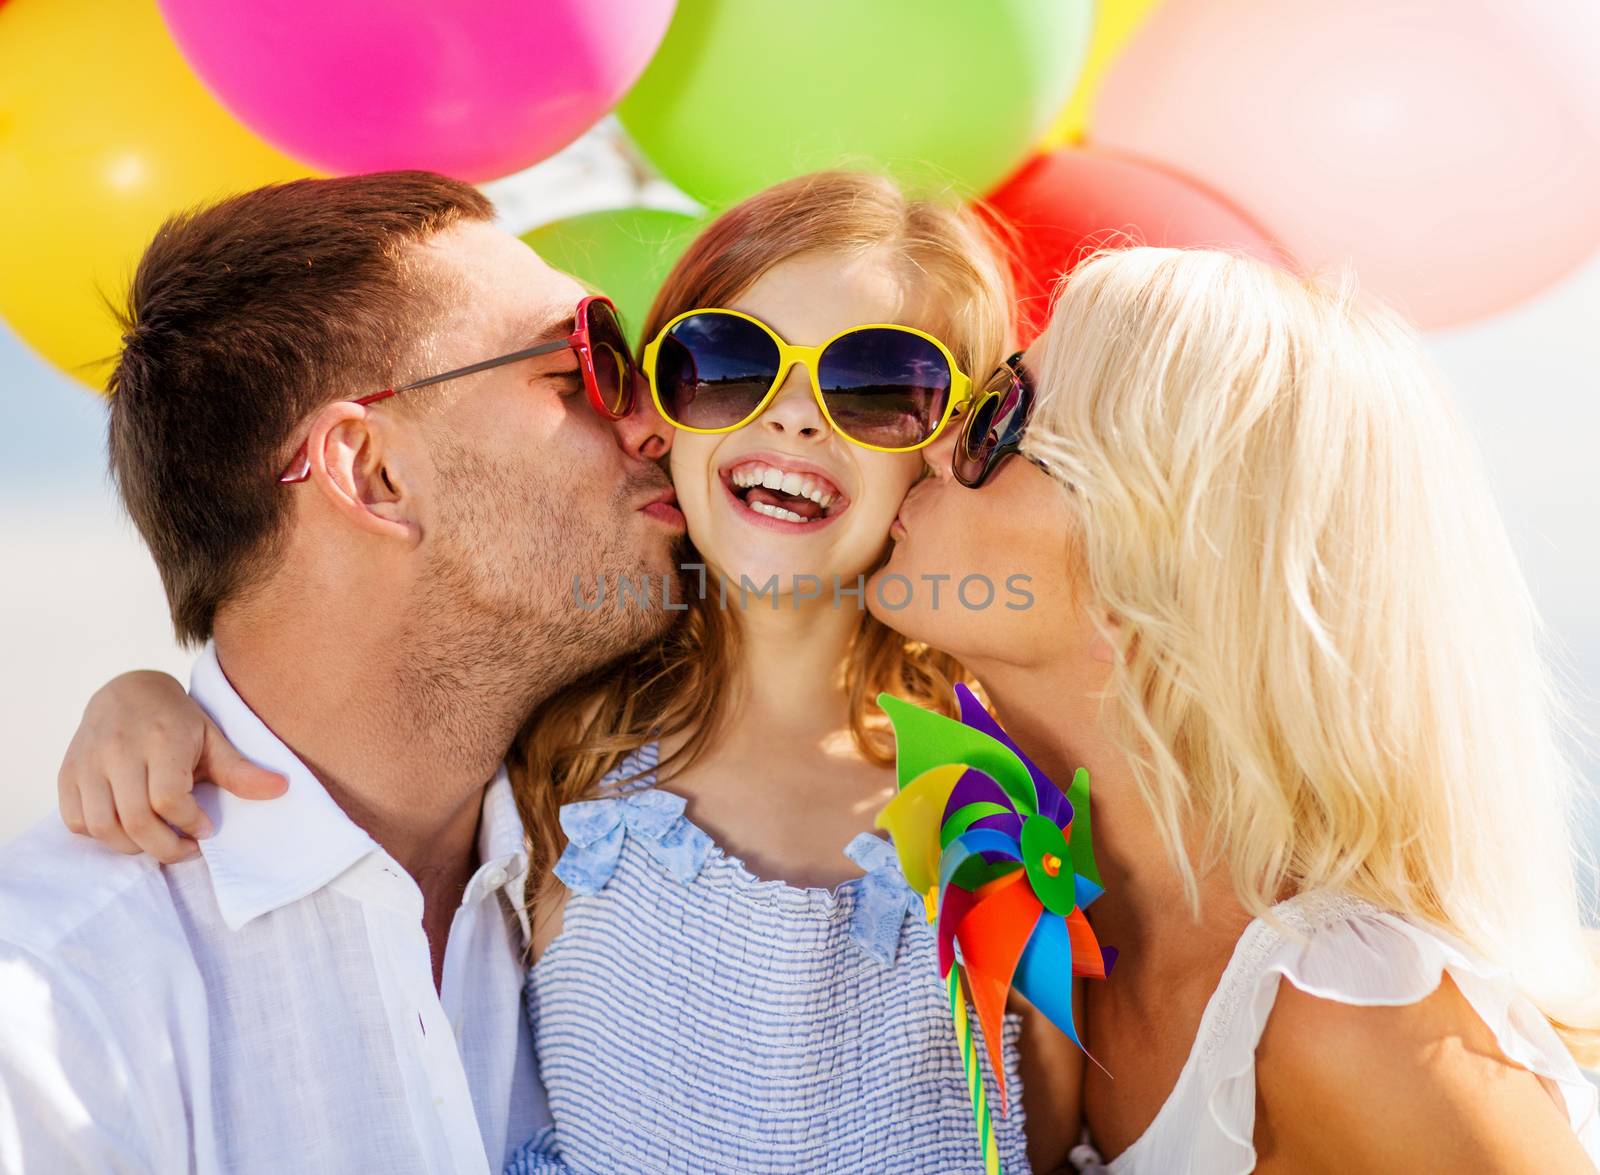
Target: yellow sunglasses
882, 386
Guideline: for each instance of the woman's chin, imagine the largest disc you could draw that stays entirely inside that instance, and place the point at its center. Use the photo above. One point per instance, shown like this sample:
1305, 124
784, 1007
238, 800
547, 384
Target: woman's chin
903, 555
905, 610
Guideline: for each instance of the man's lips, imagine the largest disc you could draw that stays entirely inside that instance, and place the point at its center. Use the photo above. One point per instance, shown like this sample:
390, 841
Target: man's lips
663, 507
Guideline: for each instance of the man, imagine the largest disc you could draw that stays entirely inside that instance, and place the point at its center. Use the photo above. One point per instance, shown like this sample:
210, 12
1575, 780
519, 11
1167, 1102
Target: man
333, 983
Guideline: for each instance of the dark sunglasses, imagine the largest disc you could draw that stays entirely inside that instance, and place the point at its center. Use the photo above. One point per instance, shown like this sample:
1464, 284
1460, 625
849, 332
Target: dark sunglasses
993, 429
610, 375
881, 386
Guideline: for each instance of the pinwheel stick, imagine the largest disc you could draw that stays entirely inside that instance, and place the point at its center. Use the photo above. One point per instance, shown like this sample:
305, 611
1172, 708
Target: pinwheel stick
969, 1062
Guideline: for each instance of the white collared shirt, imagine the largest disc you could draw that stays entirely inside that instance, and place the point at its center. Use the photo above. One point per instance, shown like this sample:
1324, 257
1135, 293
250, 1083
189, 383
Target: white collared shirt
267, 1007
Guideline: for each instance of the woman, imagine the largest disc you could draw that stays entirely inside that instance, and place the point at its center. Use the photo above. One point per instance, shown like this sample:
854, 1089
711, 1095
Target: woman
1280, 623
713, 986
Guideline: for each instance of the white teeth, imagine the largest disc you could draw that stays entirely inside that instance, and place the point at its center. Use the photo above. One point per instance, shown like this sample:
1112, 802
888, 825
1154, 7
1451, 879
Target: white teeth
775, 512
811, 489
802, 485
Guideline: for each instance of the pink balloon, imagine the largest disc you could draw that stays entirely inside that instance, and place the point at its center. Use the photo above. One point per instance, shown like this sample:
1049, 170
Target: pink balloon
473, 88
1449, 148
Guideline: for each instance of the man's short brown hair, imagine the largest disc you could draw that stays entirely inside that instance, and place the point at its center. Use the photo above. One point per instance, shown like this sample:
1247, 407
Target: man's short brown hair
243, 318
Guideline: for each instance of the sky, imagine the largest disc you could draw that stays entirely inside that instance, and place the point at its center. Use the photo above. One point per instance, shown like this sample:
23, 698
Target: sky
80, 602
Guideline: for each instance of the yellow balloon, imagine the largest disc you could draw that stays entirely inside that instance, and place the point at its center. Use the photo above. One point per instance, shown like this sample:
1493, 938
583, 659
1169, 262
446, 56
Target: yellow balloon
1115, 22
104, 132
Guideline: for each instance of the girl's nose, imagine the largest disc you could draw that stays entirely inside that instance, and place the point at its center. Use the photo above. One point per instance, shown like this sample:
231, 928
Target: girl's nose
794, 412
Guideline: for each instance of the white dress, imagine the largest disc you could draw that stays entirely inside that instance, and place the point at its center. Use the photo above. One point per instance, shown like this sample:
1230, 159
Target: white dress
1347, 950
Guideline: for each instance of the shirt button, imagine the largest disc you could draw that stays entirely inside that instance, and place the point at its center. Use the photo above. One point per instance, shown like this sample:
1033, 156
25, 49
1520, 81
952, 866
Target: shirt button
495, 878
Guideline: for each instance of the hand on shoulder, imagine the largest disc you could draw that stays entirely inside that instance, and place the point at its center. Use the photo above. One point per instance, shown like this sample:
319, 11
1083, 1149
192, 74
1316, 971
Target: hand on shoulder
129, 774
1414, 1087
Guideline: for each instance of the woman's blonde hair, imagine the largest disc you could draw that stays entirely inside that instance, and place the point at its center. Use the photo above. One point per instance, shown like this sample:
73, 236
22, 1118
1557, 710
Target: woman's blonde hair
1330, 671
682, 683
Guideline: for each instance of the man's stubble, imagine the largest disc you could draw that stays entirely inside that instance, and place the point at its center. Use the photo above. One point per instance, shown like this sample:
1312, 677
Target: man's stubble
498, 629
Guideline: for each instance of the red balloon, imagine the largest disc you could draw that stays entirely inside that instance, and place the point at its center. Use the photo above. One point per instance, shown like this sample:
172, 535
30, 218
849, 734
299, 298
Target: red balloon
1064, 205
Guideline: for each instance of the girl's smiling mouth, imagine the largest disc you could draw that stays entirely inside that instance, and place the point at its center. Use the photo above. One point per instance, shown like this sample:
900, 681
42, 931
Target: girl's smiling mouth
780, 492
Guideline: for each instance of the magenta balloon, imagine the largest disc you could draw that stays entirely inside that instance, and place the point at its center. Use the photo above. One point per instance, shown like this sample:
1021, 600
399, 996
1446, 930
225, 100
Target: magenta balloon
473, 88
1449, 148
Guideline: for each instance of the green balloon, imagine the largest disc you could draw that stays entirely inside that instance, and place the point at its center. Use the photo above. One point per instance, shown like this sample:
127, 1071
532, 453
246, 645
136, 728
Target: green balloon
938, 93
624, 255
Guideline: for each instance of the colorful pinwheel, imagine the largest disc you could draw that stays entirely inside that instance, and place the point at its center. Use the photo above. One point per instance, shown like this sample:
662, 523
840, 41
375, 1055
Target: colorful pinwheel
1004, 860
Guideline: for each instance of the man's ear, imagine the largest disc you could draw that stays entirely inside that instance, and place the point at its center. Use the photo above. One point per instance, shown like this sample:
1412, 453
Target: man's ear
355, 472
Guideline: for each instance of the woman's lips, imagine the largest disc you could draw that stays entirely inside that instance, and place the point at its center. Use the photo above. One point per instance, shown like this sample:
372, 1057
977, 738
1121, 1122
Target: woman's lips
899, 528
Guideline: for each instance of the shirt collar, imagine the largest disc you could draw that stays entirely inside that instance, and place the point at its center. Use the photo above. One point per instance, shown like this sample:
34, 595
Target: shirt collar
265, 854
502, 851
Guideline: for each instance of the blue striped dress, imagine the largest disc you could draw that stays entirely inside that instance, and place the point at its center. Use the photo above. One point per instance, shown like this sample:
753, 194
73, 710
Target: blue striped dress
693, 1018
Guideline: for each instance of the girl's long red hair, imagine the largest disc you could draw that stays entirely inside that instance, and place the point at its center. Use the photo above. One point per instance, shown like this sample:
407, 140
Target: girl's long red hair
680, 684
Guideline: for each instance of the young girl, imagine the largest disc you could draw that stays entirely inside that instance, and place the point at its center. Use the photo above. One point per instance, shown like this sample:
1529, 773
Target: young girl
714, 986
1280, 623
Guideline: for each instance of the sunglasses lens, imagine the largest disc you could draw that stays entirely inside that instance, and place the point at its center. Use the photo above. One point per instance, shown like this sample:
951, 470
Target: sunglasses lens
976, 441
713, 370
613, 361
994, 421
885, 387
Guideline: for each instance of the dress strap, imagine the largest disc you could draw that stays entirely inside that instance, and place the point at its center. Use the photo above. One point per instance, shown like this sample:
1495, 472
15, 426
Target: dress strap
636, 770
883, 898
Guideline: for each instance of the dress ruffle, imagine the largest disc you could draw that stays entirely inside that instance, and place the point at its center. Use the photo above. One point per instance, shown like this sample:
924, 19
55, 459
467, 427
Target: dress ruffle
596, 830
883, 898
1348, 951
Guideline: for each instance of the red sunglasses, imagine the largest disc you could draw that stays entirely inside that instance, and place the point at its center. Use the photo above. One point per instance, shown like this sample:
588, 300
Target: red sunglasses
610, 376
